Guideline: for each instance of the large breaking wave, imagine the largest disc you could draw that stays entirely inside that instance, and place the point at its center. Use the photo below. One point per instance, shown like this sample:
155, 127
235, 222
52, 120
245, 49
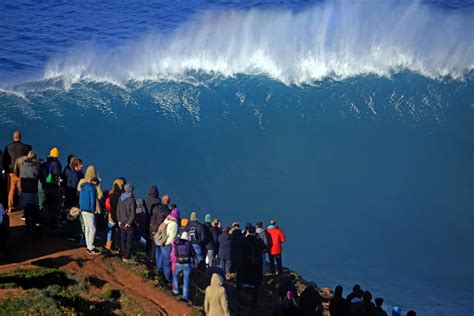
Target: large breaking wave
336, 39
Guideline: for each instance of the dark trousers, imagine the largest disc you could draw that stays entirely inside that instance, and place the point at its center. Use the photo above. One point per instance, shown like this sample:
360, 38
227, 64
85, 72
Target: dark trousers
53, 204
126, 236
31, 215
278, 259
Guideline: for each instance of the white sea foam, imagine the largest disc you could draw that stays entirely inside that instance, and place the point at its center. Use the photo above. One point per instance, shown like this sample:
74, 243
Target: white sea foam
337, 39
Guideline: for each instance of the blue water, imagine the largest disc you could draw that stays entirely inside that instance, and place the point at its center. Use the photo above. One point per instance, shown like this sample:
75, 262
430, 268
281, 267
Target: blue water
350, 123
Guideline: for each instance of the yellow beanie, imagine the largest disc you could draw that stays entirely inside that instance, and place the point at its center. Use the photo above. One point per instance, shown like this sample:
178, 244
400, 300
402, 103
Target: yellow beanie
54, 152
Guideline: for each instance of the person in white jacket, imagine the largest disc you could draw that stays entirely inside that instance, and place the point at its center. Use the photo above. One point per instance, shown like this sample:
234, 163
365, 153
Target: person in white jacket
171, 232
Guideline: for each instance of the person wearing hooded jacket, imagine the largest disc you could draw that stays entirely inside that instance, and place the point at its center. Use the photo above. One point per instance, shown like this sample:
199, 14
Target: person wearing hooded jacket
184, 252
277, 238
158, 216
215, 300
150, 203
51, 180
171, 232
29, 175
126, 219
111, 207
87, 204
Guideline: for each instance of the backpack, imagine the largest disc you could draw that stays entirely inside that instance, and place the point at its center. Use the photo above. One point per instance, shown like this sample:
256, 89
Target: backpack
161, 235
193, 235
49, 177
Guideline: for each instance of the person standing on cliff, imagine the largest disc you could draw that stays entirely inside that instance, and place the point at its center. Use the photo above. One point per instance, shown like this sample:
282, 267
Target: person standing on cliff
51, 177
126, 218
277, 238
197, 236
150, 204
11, 153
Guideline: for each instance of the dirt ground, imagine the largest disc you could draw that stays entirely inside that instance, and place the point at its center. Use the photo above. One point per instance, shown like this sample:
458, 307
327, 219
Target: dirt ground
26, 249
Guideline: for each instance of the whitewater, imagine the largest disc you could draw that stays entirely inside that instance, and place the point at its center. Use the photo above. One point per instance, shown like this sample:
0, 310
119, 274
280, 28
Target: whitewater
349, 122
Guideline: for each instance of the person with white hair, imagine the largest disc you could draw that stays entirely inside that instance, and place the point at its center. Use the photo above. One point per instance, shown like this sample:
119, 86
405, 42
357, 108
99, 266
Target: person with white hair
184, 251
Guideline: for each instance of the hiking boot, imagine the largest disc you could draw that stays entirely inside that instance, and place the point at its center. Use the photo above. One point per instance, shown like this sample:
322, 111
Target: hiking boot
185, 300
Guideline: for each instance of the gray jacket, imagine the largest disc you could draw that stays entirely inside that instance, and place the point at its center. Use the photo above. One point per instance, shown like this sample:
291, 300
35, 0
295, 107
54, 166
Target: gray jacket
126, 208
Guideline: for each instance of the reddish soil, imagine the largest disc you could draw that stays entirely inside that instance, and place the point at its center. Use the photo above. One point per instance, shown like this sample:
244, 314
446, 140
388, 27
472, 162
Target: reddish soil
26, 249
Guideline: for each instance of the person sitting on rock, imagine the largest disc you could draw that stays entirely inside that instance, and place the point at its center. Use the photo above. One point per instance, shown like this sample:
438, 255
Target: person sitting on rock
215, 300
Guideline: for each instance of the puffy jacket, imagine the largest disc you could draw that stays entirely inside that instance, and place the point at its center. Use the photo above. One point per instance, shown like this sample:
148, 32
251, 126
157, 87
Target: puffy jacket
183, 248
215, 301
171, 229
277, 237
126, 209
29, 175
12, 152
87, 198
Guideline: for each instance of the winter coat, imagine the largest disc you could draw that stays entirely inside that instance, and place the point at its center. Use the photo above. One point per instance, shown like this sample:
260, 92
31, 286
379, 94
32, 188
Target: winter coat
150, 203
310, 299
200, 231
29, 173
277, 237
12, 152
171, 229
159, 214
126, 209
225, 246
263, 235
88, 198
337, 306
356, 307
251, 267
379, 311
236, 247
88, 176
215, 301
183, 248
214, 233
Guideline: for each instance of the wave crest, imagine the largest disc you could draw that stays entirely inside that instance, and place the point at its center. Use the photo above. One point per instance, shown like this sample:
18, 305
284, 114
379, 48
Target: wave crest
337, 40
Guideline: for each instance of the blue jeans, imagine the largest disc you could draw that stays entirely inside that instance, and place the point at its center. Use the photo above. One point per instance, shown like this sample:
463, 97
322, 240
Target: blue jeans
158, 257
225, 264
110, 231
166, 257
186, 268
199, 255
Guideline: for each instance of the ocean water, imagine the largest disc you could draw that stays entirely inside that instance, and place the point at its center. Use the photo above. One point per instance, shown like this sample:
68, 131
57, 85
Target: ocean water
349, 122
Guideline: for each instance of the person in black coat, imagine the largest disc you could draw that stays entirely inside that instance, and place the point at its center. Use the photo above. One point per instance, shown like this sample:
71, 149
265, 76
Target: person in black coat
225, 249
310, 299
11, 153
250, 270
236, 247
338, 304
212, 245
149, 204
197, 236
52, 172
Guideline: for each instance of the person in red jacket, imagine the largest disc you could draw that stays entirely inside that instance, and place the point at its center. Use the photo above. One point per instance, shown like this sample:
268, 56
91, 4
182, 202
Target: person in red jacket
277, 237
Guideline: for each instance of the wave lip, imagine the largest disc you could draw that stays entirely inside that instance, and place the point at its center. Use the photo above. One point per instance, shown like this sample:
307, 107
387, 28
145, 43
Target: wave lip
337, 40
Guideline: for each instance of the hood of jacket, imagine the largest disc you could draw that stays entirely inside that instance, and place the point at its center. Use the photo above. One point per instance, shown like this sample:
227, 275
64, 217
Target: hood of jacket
153, 191
125, 196
118, 184
216, 280
90, 174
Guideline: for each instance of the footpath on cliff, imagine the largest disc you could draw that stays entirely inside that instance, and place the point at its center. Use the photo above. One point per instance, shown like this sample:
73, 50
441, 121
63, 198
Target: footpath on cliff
46, 274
